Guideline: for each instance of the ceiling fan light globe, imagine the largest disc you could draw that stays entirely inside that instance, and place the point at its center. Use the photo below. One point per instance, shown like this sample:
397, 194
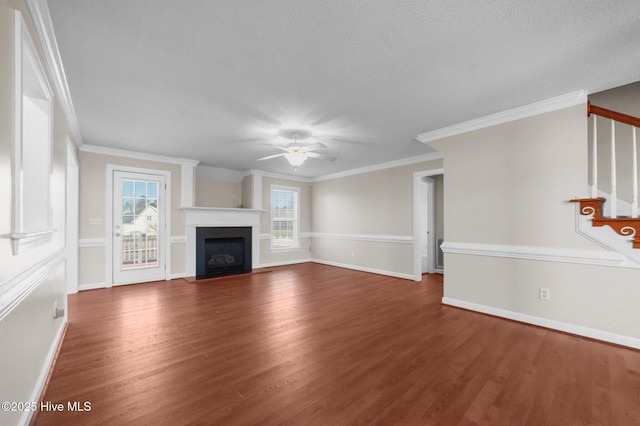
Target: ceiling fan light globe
296, 158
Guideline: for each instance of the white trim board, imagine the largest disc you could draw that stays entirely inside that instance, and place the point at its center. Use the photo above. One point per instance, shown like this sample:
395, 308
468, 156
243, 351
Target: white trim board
16, 289
541, 107
91, 286
606, 237
262, 173
180, 275
283, 263
39, 11
115, 152
367, 169
398, 239
591, 333
382, 166
92, 242
587, 257
417, 221
41, 382
266, 236
365, 269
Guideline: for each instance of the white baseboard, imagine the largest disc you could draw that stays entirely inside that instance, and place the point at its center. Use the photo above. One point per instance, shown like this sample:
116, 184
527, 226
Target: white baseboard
44, 372
591, 333
365, 269
284, 263
91, 286
180, 275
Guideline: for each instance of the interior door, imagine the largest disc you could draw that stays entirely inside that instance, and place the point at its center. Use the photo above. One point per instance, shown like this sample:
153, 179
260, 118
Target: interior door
138, 227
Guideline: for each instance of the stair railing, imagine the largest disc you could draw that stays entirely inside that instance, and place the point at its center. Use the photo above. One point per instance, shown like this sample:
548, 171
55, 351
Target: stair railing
634, 122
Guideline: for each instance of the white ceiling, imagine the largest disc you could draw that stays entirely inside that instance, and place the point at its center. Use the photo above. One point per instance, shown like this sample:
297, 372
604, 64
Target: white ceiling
215, 80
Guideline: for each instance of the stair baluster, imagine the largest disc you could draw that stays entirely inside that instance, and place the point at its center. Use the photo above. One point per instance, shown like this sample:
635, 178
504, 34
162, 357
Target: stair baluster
634, 204
625, 226
614, 190
594, 170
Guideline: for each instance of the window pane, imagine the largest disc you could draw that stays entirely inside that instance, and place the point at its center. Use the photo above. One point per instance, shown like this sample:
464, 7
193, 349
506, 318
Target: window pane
141, 189
152, 190
127, 188
284, 219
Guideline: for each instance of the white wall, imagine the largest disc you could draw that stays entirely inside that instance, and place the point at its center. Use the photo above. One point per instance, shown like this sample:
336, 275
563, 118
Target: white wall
216, 187
277, 257
508, 186
365, 221
32, 281
93, 205
624, 99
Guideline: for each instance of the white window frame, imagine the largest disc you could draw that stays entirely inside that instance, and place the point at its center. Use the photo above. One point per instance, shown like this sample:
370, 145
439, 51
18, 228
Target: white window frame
32, 219
296, 219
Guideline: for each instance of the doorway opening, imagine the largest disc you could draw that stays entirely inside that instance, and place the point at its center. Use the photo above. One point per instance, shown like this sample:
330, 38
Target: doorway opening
428, 224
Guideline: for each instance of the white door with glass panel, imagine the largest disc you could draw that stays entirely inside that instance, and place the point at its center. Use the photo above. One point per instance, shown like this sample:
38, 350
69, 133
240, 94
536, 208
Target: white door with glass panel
138, 227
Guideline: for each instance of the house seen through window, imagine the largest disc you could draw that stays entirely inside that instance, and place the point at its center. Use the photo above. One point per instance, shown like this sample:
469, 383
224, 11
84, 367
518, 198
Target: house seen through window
284, 218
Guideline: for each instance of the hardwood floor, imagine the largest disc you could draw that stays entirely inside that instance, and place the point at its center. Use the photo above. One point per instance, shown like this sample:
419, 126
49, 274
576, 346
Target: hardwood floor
313, 345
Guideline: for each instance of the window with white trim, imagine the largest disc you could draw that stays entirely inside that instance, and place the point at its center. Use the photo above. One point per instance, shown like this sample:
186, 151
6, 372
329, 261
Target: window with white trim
285, 221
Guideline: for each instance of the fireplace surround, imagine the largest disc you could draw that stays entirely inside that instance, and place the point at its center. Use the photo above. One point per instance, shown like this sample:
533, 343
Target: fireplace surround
196, 217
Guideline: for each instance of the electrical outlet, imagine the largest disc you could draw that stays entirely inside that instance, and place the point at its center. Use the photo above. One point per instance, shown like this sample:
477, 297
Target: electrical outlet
353, 253
57, 312
545, 293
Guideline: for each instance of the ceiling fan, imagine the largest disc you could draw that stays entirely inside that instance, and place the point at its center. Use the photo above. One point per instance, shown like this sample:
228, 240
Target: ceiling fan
295, 152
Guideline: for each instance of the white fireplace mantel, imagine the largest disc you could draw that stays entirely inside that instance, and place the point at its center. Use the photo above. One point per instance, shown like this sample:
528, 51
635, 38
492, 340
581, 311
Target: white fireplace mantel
216, 216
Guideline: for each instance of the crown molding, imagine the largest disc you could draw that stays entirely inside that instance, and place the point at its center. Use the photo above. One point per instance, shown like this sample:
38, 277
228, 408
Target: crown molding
388, 165
41, 19
95, 149
256, 172
541, 107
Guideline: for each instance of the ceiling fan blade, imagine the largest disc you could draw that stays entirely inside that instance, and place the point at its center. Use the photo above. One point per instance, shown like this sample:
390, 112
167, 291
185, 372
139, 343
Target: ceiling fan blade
282, 148
320, 156
270, 157
341, 140
311, 147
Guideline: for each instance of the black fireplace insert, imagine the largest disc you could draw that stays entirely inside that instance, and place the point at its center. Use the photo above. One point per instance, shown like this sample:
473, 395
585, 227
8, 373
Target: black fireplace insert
222, 251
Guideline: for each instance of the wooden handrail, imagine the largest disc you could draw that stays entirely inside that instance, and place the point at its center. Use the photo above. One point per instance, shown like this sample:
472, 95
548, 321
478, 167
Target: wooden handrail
617, 116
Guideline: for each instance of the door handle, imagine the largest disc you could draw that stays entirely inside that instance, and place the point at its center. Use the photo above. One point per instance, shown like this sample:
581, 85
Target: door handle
117, 234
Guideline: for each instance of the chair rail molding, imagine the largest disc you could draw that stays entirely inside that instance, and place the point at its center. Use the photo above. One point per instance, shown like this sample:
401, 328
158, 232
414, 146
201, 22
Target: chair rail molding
589, 257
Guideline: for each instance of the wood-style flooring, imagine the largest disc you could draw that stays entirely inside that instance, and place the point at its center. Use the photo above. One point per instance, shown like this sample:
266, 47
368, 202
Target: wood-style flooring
312, 344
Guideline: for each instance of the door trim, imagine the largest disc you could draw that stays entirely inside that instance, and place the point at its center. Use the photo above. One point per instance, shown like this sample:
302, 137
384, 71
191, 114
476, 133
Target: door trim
417, 221
111, 168
72, 216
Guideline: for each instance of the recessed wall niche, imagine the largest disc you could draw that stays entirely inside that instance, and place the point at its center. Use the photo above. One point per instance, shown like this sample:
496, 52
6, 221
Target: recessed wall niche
32, 221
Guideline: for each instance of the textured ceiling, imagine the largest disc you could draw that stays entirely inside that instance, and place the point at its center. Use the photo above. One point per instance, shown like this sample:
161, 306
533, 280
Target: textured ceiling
215, 80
